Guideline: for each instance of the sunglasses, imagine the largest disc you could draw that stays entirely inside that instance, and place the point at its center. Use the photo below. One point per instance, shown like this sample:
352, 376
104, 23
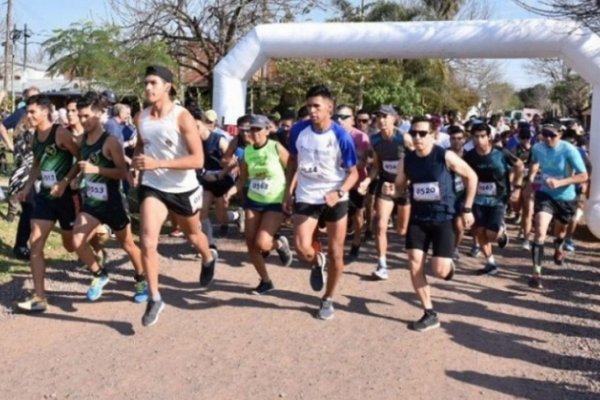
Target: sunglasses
243, 130
549, 134
342, 117
363, 120
421, 134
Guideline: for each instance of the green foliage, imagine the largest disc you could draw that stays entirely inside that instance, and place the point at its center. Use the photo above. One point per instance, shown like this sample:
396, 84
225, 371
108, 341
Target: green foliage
573, 95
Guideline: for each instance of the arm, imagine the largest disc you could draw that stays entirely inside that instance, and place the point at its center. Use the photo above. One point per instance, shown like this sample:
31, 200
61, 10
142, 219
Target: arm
401, 179
291, 181
408, 143
4, 136
242, 180
139, 143
284, 156
227, 166
364, 185
460, 167
34, 174
114, 151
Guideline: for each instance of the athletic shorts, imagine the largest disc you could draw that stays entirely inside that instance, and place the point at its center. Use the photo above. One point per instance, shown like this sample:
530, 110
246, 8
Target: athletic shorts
401, 201
440, 236
459, 205
218, 188
61, 209
322, 211
489, 217
563, 211
185, 204
250, 204
115, 217
356, 200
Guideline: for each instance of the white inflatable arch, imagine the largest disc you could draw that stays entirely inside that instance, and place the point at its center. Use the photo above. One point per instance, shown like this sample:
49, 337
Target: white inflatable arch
538, 38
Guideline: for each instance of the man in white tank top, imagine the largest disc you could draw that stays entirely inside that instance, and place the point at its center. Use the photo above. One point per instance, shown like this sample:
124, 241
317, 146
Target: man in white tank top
167, 154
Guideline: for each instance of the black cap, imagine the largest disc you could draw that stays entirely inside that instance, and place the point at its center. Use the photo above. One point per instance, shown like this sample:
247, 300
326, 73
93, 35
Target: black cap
110, 96
386, 109
164, 73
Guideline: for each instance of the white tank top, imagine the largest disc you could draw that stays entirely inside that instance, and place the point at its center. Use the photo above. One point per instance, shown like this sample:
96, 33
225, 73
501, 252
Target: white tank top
163, 141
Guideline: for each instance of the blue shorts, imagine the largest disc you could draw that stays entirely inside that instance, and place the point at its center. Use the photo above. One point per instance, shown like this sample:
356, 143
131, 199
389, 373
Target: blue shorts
250, 204
489, 217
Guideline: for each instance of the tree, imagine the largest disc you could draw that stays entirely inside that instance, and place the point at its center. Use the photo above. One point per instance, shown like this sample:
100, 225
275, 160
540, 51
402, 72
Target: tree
498, 96
586, 12
553, 69
537, 96
573, 95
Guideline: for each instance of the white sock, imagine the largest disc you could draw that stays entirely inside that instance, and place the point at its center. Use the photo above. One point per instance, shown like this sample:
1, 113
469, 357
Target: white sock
233, 216
490, 260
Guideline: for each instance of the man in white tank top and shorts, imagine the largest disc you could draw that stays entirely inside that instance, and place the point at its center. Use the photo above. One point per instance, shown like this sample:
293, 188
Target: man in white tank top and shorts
167, 154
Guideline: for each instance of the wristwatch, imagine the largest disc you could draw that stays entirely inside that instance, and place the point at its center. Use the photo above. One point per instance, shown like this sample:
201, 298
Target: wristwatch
341, 193
467, 210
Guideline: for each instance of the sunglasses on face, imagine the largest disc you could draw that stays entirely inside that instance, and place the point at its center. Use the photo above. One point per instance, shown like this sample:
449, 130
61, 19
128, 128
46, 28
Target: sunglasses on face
549, 134
421, 134
341, 117
243, 130
364, 120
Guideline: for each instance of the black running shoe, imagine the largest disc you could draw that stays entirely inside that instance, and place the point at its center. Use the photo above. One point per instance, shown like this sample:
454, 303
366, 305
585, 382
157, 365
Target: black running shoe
427, 322
208, 270
354, 251
559, 257
263, 287
535, 282
489, 269
153, 309
503, 240
21, 253
317, 280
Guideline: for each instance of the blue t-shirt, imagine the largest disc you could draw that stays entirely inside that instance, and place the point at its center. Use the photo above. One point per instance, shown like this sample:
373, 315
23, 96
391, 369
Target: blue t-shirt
13, 119
558, 162
323, 160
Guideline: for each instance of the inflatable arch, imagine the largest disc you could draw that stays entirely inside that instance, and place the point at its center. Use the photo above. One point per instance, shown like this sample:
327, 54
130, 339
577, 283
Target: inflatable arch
537, 38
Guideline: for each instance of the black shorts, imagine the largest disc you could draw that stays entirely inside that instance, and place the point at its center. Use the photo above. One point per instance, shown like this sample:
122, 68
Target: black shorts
61, 209
459, 205
113, 215
373, 186
357, 200
218, 188
439, 235
489, 217
250, 204
322, 211
400, 201
563, 211
179, 203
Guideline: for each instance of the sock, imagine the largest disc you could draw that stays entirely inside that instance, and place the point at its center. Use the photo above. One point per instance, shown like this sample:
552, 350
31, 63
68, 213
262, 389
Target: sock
491, 260
537, 254
139, 277
537, 270
558, 243
382, 262
207, 228
156, 297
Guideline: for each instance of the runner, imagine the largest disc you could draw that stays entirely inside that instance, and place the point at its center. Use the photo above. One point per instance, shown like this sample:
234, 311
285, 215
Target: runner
492, 166
429, 169
103, 165
167, 153
263, 169
562, 168
457, 142
389, 146
321, 171
523, 152
54, 152
345, 117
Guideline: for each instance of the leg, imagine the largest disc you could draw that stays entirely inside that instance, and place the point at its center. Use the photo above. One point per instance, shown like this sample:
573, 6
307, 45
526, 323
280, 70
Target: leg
304, 228
153, 214
85, 228
125, 238
40, 229
383, 210
253, 221
336, 234
359, 221
402, 217
416, 262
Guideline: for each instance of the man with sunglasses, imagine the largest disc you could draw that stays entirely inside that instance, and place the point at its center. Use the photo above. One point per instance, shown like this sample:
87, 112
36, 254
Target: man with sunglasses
321, 170
562, 168
389, 146
429, 169
345, 117
493, 167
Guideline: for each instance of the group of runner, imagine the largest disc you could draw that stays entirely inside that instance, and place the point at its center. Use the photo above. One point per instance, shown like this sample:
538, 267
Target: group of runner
327, 169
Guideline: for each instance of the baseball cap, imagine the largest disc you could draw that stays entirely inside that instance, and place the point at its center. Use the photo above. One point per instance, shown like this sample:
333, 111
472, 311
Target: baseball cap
211, 116
164, 73
386, 109
259, 121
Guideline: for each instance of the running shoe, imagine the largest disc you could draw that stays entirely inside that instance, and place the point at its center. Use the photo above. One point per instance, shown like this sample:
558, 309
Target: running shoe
475, 251
141, 292
176, 233
21, 253
207, 272
153, 310
95, 290
33, 303
354, 251
223, 230
284, 252
381, 272
569, 245
326, 310
535, 282
263, 287
559, 257
456, 255
241, 221
427, 322
488, 269
526, 245
317, 279
503, 239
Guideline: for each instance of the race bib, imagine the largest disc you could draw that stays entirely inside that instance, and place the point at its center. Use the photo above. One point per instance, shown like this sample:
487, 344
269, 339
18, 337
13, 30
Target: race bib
429, 191
459, 185
391, 167
260, 186
196, 199
486, 189
97, 191
309, 170
48, 178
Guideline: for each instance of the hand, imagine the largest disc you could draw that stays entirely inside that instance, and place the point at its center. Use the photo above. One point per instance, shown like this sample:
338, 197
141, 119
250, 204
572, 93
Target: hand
143, 162
58, 189
133, 178
389, 189
288, 203
88, 168
332, 198
468, 219
364, 186
553, 183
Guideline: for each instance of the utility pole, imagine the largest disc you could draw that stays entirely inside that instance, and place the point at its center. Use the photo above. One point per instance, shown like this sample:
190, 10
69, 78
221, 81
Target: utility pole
26, 35
7, 42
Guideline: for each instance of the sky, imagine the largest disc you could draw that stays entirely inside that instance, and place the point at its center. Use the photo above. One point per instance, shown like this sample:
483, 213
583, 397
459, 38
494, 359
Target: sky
42, 16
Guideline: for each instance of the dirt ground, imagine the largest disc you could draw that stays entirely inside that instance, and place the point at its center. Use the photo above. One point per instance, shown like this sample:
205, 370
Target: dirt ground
498, 340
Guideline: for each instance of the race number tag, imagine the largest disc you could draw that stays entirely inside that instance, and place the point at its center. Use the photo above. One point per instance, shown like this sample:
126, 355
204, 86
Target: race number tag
486, 189
48, 178
391, 167
459, 185
97, 191
429, 191
196, 199
309, 170
260, 186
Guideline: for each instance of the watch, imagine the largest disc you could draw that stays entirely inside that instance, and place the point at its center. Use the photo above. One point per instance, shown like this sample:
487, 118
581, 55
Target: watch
341, 193
467, 210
